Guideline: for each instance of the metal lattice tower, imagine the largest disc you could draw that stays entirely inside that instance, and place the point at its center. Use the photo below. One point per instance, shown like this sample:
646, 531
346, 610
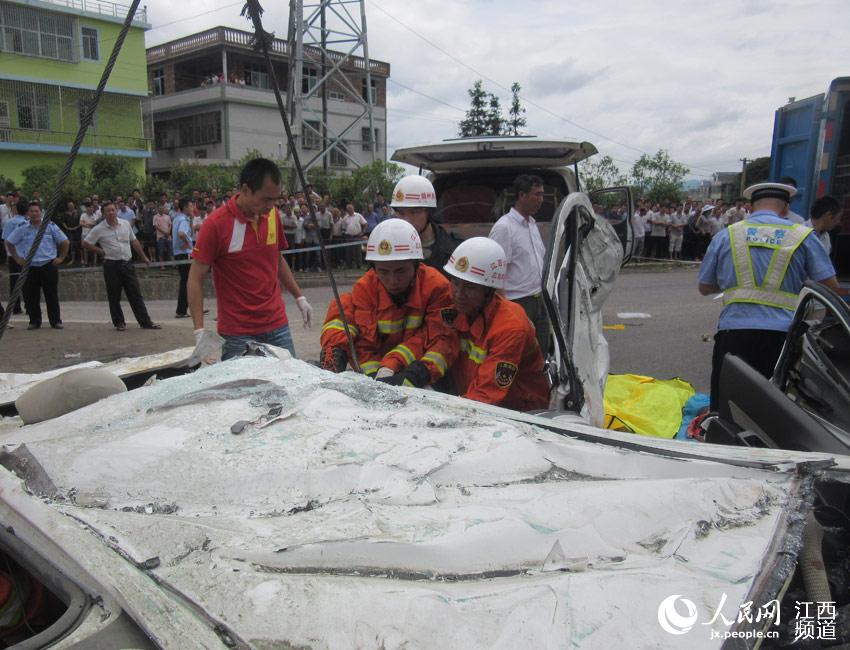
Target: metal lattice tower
327, 35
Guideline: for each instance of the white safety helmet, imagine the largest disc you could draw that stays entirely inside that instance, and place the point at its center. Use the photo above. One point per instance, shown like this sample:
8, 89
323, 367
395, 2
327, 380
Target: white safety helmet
393, 240
480, 260
414, 192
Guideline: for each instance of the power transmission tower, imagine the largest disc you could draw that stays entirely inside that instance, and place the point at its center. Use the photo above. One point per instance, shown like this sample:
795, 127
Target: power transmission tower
324, 37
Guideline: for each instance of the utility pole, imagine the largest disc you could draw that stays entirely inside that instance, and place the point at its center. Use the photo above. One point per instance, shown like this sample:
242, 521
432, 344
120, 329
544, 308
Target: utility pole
744, 162
315, 26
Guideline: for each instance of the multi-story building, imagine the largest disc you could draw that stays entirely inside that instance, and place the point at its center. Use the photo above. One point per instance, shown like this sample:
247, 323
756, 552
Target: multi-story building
52, 55
211, 99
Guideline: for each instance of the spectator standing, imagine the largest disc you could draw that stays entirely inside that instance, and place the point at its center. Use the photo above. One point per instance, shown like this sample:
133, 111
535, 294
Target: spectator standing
324, 218
14, 222
638, 218
148, 212
337, 236
7, 211
162, 227
242, 244
311, 239
88, 220
43, 274
114, 240
300, 238
826, 215
518, 235
182, 241
354, 227
678, 221
72, 229
658, 234
126, 213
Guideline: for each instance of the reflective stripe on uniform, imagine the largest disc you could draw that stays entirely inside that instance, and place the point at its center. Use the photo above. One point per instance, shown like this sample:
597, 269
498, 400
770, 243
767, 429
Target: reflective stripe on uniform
390, 326
370, 367
412, 322
437, 359
473, 351
784, 241
404, 352
337, 324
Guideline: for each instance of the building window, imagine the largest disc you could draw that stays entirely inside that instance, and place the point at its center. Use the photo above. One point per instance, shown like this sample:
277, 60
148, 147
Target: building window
309, 80
158, 82
160, 136
90, 47
37, 33
5, 131
336, 95
199, 129
258, 77
311, 135
364, 136
338, 158
374, 91
84, 106
33, 111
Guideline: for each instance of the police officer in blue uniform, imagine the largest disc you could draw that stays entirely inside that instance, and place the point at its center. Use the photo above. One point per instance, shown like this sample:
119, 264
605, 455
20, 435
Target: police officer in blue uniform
760, 265
14, 268
43, 274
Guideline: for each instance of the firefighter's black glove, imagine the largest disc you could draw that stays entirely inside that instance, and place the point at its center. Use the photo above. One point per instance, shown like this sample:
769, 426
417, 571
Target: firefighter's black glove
334, 359
416, 374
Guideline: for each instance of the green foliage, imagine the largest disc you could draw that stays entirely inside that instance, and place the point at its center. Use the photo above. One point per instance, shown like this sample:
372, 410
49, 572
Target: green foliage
758, 170
112, 176
658, 177
516, 119
485, 117
43, 178
600, 173
475, 122
7, 185
154, 187
188, 176
358, 187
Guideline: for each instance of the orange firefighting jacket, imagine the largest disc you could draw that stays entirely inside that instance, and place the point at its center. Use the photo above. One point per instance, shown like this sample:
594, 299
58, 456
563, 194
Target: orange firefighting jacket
500, 361
391, 336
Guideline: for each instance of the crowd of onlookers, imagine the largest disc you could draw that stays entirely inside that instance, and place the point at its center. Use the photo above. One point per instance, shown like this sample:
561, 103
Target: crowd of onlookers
152, 221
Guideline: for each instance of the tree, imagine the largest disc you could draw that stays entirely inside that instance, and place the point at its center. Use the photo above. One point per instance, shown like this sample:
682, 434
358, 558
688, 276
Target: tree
659, 177
475, 122
43, 178
495, 120
758, 170
515, 120
112, 176
600, 173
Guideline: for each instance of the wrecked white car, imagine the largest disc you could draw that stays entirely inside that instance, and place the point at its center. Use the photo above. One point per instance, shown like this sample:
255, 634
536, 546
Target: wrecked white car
265, 503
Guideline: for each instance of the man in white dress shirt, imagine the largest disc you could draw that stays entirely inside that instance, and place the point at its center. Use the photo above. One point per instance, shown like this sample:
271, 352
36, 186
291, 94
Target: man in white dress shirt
517, 233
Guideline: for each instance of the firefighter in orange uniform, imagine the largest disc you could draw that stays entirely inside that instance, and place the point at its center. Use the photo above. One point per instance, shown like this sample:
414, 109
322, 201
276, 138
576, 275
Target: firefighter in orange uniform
394, 314
500, 360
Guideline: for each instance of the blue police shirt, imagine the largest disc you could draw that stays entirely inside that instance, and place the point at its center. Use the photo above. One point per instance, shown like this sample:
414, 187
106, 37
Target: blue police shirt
12, 224
23, 237
181, 224
809, 261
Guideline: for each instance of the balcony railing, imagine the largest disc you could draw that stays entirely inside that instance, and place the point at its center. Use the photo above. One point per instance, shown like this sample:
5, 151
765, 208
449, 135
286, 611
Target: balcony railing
102, 7
242, 40
66, 138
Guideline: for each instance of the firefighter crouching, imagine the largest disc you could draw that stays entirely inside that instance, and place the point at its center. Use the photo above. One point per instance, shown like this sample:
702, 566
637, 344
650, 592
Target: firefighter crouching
394, 314
500, 360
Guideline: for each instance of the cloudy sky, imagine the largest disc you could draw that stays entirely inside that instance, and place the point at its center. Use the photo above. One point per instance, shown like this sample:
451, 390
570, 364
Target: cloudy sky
701, 79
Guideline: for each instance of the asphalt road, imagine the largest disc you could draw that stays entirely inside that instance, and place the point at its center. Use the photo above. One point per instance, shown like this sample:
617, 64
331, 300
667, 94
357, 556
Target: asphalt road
668, 344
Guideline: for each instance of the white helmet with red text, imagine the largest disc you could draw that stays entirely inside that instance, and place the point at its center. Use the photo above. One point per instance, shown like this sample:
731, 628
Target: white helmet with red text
393, 240
414, 192
480, 260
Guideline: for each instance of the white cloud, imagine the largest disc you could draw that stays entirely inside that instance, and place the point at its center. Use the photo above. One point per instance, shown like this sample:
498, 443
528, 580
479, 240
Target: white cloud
700, 79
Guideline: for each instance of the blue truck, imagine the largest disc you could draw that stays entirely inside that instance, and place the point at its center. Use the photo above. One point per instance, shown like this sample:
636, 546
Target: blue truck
811, 143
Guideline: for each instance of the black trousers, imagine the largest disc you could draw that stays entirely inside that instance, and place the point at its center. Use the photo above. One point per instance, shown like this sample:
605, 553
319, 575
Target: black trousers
42, 279
121, 275
536, 312
759, 348
14, 272
182, 295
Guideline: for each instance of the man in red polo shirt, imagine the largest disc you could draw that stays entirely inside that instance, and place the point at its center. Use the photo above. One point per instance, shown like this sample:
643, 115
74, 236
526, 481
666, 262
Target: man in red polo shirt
242, 242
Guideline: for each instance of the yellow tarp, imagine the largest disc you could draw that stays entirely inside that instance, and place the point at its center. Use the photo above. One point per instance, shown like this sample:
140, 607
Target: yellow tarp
651, 407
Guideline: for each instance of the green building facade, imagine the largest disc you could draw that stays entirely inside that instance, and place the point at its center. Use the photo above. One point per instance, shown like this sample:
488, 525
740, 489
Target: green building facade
52, 54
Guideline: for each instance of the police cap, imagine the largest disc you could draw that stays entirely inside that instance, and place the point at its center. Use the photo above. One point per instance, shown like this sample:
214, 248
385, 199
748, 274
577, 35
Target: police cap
770, 191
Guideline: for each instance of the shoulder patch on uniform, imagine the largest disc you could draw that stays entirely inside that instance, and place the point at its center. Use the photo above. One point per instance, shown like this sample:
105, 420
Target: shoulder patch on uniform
505, 374
448, 316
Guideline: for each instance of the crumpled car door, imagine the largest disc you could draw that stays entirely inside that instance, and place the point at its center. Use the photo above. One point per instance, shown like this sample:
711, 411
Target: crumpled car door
583, 260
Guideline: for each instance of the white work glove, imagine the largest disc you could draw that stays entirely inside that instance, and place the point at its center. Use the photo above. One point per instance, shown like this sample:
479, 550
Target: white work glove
207, 348
306, 310
383, 371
